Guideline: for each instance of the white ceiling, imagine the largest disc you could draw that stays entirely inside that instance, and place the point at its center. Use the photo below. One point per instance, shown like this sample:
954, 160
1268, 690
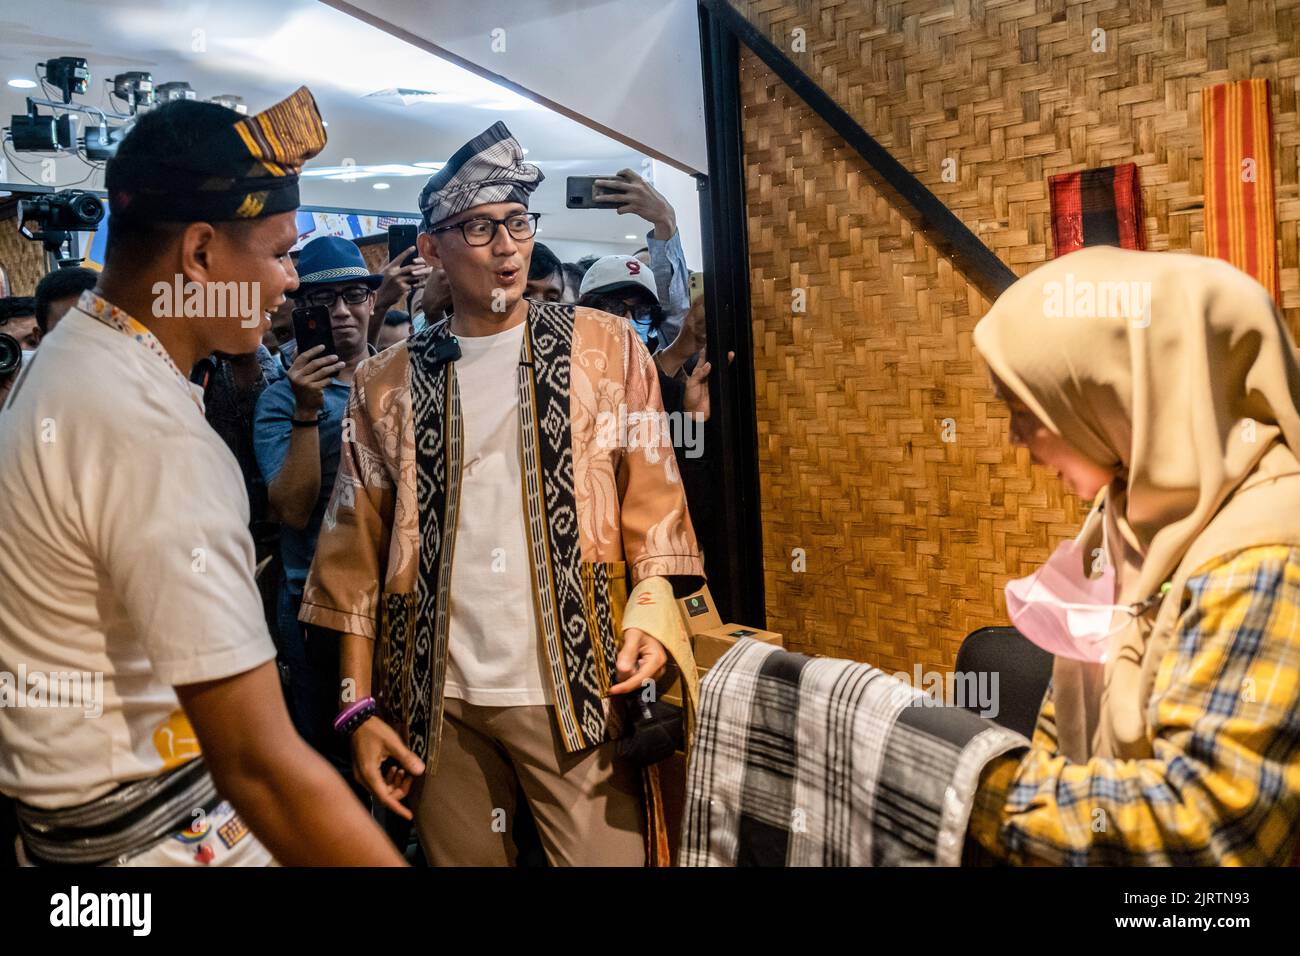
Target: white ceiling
263, 51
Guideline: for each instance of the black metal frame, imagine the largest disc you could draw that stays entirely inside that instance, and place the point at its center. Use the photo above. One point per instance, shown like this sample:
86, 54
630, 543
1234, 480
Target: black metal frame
731, 533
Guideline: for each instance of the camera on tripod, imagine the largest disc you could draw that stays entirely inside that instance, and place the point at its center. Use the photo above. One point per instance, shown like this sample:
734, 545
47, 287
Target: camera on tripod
57, 219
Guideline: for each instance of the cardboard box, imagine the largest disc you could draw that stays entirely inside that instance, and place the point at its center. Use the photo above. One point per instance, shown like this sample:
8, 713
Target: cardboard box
710, 645
673, 693
699, 613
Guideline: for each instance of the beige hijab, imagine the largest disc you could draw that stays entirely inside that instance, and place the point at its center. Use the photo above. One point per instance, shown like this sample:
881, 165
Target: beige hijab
1179, 371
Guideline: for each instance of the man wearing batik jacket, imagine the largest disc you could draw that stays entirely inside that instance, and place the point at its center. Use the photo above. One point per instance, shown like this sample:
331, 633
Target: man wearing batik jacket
522, 438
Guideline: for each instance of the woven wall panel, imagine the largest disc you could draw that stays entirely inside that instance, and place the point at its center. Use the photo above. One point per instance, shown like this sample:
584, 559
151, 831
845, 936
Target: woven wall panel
23, 259
1014, 92
908, 538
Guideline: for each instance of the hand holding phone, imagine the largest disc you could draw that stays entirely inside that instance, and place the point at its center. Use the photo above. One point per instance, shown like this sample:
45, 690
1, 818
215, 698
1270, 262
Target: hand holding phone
312, 327
400, 238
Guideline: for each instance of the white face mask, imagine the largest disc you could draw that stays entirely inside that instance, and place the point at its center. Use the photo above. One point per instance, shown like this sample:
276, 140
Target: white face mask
1064, 610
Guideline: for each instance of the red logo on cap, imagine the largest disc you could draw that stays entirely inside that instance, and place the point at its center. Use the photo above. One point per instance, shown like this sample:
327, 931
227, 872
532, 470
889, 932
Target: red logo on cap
633, 266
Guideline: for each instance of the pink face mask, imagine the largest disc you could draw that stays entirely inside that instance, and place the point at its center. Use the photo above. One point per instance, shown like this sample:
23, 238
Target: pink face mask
1064, 611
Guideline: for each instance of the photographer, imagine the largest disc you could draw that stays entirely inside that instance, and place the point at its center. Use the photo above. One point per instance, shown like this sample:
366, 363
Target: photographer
18, 320
628, 192
19, 336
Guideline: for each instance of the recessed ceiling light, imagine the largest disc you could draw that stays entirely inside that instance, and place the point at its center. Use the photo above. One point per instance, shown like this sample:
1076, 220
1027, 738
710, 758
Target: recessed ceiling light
402, 94
632, 236
22, 84
379, 186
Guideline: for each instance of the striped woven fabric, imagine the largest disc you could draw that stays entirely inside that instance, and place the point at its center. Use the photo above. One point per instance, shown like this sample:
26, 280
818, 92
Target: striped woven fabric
1097, 207
801, 761
1237, 126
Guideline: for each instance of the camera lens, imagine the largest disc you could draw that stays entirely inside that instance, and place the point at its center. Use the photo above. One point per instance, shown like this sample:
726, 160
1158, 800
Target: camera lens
11, 355
89, 209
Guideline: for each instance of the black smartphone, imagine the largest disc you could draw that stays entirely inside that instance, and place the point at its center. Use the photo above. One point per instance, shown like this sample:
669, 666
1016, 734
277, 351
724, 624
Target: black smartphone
311, 327
579, 193
400, 238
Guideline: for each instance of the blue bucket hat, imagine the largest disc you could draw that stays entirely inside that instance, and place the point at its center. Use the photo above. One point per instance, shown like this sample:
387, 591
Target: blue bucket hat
330, 260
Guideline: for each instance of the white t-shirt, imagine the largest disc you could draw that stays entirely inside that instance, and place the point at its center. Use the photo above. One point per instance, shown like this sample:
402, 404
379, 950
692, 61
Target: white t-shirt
495, 654
125, 554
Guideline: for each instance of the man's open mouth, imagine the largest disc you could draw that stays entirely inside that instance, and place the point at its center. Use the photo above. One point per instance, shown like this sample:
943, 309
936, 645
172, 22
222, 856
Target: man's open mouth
507, 276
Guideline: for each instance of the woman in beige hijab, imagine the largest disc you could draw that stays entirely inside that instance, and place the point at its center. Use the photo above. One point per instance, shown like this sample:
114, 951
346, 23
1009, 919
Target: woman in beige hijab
1163, 387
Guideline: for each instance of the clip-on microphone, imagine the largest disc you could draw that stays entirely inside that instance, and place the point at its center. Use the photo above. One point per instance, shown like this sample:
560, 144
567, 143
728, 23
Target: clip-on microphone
448, 350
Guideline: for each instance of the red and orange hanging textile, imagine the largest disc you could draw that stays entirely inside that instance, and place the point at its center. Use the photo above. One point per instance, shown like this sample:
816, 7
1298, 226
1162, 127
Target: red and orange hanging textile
1237, 125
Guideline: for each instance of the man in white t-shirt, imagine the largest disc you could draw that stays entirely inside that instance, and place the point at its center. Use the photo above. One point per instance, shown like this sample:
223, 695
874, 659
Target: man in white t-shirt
478, 544
142, 719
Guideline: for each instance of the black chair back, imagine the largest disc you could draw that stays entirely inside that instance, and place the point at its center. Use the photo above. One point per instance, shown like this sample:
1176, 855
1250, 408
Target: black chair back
1023, 668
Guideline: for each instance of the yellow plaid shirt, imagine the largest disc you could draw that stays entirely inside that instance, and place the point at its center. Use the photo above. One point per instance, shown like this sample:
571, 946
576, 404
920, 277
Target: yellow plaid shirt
1223, 786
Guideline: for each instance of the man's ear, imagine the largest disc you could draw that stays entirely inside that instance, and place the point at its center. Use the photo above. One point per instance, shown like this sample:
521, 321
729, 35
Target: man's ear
196, 251
427, 245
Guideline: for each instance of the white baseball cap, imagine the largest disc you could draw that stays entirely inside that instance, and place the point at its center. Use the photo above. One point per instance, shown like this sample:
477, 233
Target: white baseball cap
618, 272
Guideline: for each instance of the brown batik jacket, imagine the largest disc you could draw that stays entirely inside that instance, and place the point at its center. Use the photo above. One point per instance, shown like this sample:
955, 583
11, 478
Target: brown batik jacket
596, 508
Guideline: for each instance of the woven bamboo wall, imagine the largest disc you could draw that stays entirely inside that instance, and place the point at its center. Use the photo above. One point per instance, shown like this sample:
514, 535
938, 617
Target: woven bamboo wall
23, 259
909, 538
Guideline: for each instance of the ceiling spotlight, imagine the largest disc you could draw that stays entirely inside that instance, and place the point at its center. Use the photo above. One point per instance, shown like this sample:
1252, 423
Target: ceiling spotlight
632, 236
67, 74
231, 102
176, 90
20, 83
380, 186
100, 142
31, 131
134, 88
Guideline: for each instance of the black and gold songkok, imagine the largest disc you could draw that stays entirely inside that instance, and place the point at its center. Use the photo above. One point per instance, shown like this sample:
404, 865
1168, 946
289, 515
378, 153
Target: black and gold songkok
233, 166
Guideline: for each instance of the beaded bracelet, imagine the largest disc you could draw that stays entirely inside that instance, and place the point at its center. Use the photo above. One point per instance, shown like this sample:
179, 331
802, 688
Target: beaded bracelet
353, 716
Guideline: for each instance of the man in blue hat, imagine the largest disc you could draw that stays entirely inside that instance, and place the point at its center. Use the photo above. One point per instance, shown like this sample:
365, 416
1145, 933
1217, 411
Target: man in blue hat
297, 430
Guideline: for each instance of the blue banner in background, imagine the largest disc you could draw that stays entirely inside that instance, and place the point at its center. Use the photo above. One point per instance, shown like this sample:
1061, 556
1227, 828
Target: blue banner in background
311, 225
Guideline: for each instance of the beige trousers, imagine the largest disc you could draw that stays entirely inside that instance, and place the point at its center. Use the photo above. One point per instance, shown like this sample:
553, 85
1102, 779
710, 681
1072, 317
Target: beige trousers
588, 805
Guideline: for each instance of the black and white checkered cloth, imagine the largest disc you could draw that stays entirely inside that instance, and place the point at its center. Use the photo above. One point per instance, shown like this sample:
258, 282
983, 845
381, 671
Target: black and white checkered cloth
802, 761
489, 168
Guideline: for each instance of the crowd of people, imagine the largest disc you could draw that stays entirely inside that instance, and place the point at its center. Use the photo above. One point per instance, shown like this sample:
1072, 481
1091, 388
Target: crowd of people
294, 422
411, 580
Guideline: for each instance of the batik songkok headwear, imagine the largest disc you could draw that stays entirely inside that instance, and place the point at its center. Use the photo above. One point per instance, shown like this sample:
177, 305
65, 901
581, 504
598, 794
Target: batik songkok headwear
489, 168
238, 167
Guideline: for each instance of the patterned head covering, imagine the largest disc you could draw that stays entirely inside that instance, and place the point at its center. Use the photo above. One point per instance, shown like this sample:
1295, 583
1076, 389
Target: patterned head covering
238, 167
489, 168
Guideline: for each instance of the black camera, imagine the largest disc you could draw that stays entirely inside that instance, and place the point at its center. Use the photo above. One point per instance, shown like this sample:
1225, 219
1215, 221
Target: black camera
73, 210
58, 217
11, 357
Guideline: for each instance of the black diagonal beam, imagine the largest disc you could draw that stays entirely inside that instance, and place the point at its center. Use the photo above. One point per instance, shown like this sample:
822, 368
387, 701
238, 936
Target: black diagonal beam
975, 260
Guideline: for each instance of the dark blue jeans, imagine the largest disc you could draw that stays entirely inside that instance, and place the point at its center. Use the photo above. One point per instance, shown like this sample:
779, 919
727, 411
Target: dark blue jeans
308, 658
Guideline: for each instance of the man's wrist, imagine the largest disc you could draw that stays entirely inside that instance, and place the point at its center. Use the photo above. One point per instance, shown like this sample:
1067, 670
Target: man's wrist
665, 228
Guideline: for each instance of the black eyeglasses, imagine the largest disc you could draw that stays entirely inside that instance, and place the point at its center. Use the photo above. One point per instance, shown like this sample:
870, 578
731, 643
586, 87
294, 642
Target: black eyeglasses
643, 313
480, 230
352, 295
